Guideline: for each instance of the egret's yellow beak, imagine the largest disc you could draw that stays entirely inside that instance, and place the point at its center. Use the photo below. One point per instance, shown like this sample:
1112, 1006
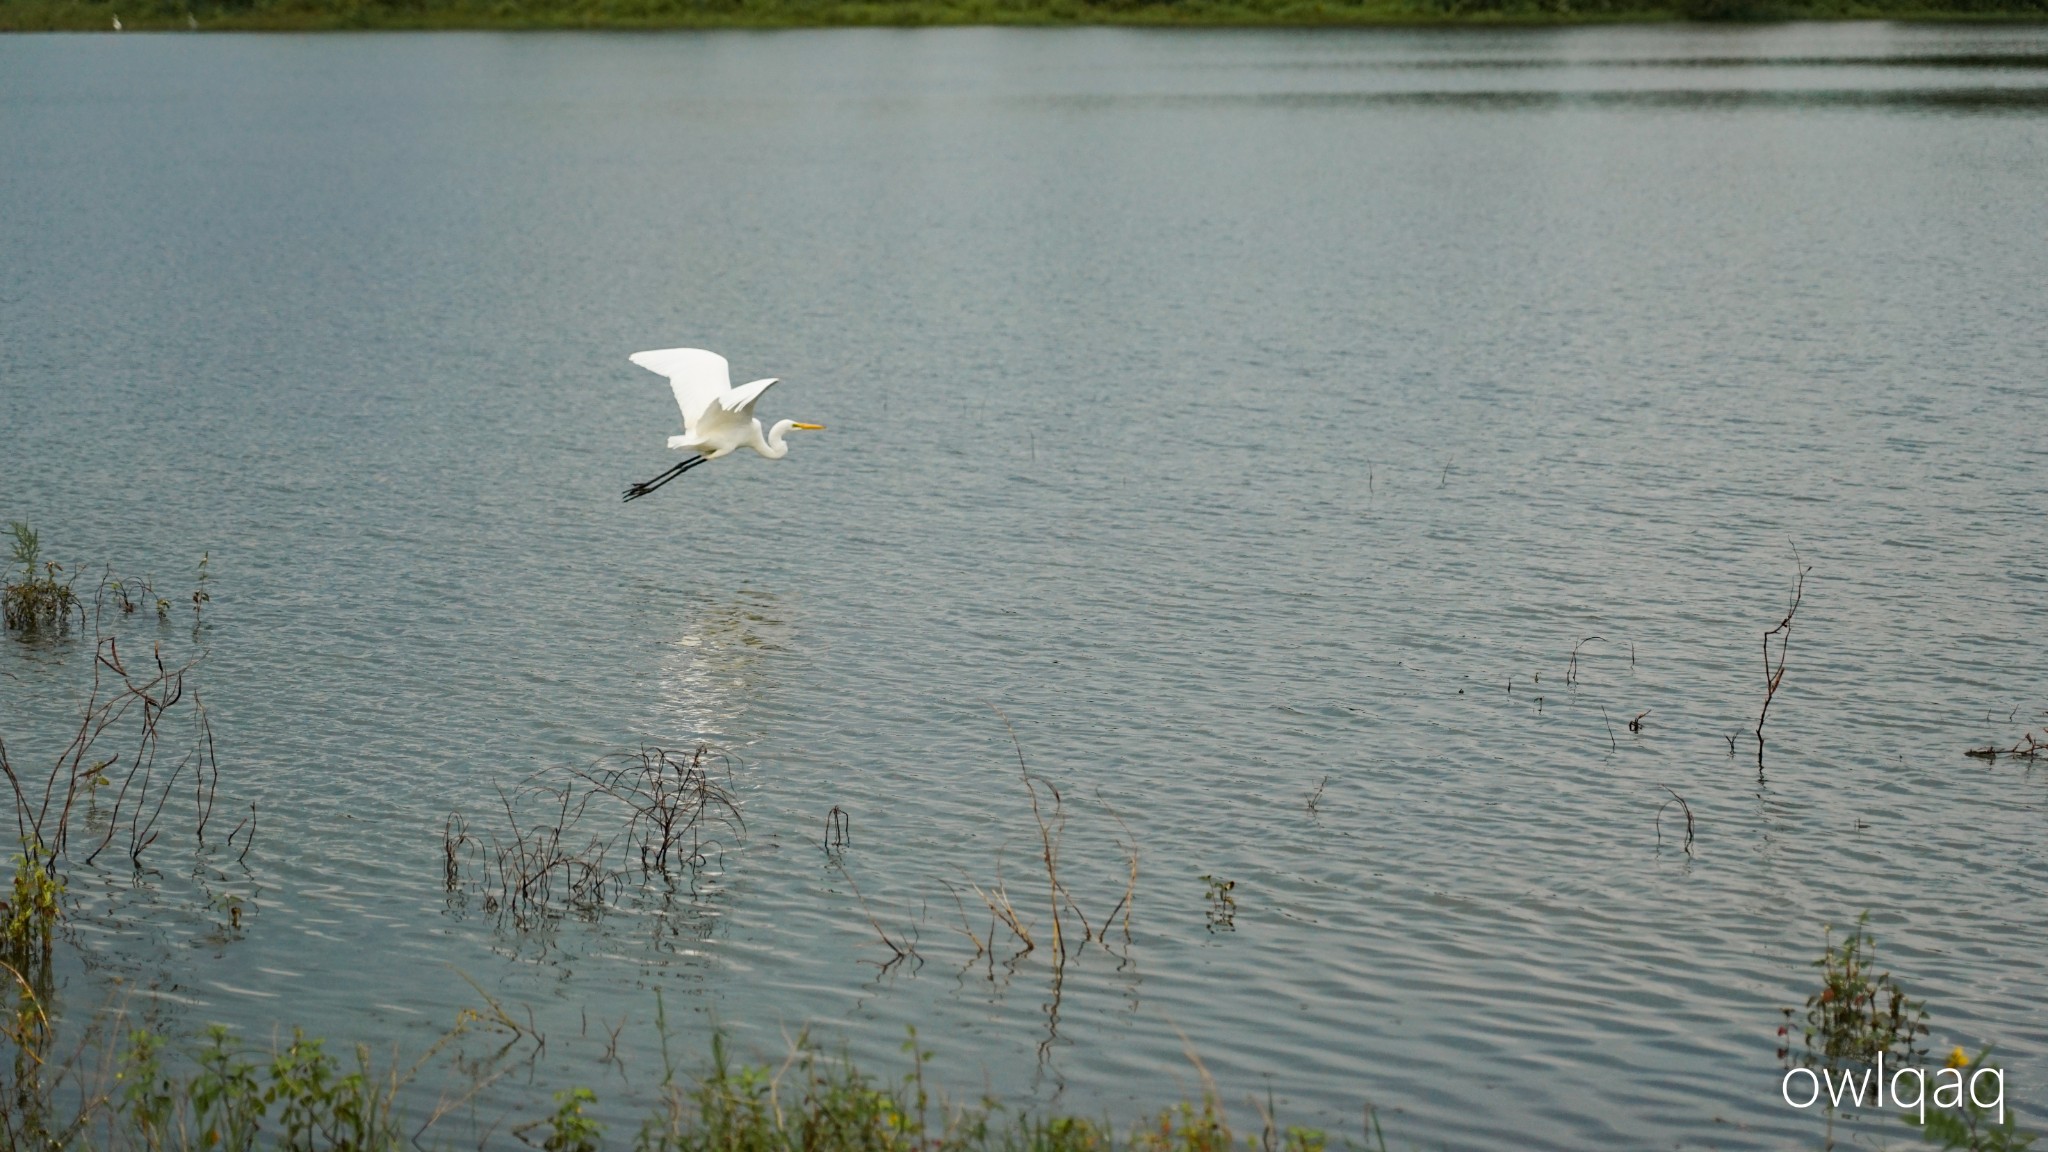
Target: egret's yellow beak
809, 427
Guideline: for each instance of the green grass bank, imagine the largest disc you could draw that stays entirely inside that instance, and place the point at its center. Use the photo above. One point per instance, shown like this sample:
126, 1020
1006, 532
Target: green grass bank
320, 15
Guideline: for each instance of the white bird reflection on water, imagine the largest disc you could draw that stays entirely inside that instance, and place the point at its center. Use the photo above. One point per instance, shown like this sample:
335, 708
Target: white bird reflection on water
709, 675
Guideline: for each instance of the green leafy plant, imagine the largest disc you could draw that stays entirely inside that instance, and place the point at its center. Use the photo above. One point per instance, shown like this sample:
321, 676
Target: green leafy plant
1861, 1015
218, 1096
1858, 1014
31, 914
149, 1098
569, 1130
319, 1107
1968, 1124
1186, 1127
225, 1105
815, 1103
1222, 913
200, 597
39, 598
226, 1095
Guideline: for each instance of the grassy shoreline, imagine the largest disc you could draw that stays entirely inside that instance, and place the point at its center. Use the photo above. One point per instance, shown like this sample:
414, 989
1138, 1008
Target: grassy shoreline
643, 15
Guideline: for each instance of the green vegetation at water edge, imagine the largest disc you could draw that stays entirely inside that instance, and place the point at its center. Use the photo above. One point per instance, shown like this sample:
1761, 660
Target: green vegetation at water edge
225, 1095
311, 15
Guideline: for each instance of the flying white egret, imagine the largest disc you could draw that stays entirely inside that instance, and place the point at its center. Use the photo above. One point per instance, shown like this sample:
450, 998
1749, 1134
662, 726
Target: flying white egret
718, 419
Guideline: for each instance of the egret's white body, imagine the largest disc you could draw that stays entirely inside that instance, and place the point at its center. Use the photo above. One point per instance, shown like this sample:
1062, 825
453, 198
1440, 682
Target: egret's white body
718, 419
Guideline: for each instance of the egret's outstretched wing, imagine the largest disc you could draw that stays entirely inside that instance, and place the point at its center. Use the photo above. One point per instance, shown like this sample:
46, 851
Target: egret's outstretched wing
740, 401
698, 377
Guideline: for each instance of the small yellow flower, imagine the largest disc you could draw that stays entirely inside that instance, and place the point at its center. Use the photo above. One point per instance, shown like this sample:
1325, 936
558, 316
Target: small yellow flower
1959, 1058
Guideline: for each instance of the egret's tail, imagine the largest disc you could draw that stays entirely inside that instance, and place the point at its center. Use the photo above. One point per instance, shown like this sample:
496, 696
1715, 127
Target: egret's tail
679, 442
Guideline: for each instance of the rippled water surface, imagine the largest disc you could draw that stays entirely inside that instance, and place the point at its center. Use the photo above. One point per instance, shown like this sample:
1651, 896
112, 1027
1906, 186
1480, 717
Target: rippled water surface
1234, 411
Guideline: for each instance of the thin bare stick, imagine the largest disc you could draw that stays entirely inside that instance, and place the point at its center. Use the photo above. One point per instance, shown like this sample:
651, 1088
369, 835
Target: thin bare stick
1571, 668
1045, 838
1130, 848
966, 926
1687, 808
904, 949
1774, 676
999, 906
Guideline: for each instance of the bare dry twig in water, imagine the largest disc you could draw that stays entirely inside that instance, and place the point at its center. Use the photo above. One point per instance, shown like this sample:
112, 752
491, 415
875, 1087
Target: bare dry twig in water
1048, 811
1774, 676
1571, 667
570, 847
981, 946
905, 948
47, 811
2031, 748
1048, 841
999, 906
675, 803
1686, 808
1130, 896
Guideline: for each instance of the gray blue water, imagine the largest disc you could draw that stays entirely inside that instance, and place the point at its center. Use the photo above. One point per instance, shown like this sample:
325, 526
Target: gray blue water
1233, 411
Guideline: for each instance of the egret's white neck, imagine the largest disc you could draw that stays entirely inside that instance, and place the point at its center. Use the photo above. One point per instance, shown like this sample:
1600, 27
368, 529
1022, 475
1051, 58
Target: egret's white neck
773, 446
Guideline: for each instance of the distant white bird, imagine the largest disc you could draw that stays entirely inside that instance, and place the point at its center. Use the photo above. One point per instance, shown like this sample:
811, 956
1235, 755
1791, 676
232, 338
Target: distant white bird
117, 23
718, 419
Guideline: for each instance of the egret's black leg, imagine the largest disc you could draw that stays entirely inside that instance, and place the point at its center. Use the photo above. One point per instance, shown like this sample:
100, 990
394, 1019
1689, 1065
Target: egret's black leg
646, 486
642, 489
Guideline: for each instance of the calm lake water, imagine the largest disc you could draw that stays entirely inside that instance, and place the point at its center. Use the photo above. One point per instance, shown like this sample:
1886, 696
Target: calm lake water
1234, 411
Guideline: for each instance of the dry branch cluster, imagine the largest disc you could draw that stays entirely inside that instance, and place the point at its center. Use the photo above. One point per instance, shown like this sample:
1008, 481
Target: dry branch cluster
2030, 747
128, 714
1048, 812
572, 840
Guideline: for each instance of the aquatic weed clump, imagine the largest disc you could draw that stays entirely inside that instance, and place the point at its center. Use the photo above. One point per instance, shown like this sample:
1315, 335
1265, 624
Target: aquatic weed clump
1222, 912
813, 1102
1858, 1014
1965, 1123
28, 918
39, 599
1859, 1022
115, 1086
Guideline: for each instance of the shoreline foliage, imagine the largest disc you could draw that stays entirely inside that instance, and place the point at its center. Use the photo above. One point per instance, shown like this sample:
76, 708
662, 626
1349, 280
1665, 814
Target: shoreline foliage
144, 1091
1861, 1016
1859, 1013
421, 15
